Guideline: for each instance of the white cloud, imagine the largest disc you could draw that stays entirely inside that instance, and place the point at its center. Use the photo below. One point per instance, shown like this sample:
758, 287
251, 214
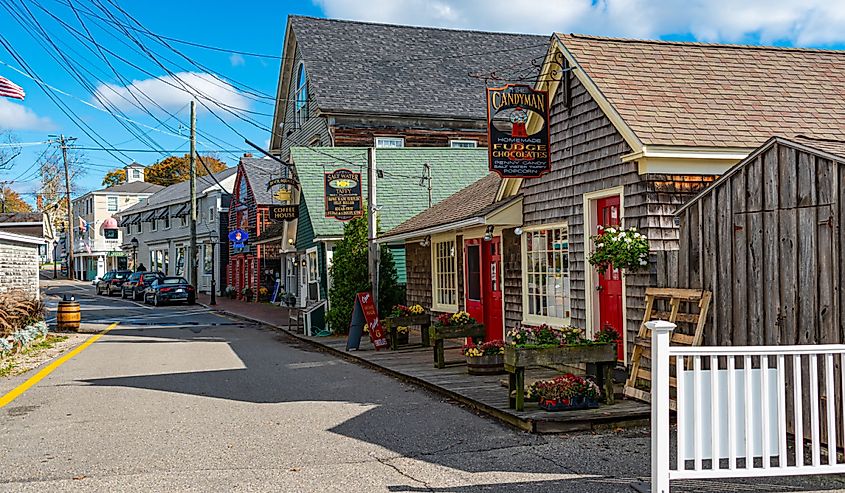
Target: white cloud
14, 116
797, 22
237, 60
173, 92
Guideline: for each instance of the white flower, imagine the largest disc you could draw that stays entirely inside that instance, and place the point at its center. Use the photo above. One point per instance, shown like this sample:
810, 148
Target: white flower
627, 240
622, 234
610, 230
600, 245
643, 262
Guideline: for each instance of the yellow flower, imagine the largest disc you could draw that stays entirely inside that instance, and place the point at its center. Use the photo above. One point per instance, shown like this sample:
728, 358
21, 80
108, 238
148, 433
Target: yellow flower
402, 329
416, 309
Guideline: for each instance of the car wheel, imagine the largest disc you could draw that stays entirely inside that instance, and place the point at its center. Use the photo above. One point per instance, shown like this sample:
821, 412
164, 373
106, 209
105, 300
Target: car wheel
192, 301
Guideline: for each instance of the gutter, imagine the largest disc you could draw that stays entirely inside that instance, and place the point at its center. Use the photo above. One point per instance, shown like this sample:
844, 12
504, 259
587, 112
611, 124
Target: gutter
473, 221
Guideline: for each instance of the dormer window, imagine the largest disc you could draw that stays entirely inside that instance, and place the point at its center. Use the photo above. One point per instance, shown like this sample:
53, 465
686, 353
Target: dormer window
301, 100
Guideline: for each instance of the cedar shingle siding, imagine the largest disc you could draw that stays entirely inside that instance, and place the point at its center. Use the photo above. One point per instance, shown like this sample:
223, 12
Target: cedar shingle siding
418, 262
512, 267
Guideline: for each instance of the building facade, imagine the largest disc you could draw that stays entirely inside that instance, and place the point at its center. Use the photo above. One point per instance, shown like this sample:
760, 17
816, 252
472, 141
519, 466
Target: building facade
19, 263
97, 236
161, 226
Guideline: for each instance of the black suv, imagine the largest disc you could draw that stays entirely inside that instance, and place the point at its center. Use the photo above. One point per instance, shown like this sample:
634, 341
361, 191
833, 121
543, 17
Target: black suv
136, 284
112, 282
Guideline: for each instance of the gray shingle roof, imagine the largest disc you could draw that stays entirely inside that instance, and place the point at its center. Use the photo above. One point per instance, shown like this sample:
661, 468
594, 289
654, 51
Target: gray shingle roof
390, 69
179, 192
259, 171
132, 187
21, 217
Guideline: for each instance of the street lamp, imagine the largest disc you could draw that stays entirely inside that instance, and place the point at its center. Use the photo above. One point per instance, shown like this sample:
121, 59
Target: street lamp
212, 241
55, 258
134, 243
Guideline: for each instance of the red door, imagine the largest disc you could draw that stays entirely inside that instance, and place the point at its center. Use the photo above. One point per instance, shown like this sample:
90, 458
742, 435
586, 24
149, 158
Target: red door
610, 283
483, 287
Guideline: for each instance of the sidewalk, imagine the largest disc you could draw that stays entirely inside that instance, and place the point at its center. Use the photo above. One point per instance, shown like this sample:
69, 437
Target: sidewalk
414, 364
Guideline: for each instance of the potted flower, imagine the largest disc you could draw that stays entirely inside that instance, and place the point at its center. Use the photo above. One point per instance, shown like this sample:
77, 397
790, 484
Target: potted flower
263, 294
567, 392
247, 293
485, 358
399, 320
402, 332
619, 248
231, 292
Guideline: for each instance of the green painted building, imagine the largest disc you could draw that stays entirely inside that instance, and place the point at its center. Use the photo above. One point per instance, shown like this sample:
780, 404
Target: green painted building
402, 191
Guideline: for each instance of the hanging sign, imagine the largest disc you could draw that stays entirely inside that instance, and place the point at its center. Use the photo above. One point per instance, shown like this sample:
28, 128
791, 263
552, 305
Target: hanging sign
364, 313
238, 237
282, 181
279, 213
282, 195
518, 131
343, 195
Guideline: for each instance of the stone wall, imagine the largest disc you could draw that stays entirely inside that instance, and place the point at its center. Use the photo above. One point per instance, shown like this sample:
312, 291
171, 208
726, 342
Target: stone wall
18, 267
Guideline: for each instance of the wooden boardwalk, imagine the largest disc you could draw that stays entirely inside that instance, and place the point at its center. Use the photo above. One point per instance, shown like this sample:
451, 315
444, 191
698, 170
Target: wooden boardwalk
485, 393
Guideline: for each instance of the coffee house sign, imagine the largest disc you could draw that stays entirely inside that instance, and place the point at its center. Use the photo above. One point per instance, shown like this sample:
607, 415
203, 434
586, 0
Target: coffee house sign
518, 131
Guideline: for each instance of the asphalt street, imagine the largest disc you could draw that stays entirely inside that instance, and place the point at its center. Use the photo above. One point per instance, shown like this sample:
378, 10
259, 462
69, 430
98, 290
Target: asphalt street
182, 399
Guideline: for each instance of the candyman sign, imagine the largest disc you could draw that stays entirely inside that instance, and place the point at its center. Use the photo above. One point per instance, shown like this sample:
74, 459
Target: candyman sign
518, 131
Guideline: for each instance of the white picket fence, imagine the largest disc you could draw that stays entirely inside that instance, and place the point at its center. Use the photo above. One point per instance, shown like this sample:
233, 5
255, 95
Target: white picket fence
735, 414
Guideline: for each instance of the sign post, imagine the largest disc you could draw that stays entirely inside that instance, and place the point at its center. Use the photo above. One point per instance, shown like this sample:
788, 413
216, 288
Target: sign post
364, 313
518, 131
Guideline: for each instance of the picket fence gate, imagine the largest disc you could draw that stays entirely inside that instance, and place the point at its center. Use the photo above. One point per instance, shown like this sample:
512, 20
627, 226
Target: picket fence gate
745, 411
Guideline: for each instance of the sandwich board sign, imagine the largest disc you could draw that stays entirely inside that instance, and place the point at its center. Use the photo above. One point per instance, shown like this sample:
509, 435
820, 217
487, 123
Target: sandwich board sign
364, 313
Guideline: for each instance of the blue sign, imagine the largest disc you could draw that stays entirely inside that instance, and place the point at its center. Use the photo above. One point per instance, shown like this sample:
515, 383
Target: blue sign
238, 237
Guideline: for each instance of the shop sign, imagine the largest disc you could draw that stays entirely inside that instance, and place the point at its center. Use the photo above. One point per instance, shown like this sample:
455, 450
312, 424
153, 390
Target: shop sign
238, 237
279, 213
343, 195
518, 131
282, 195
116, 253
282, 181
364, 313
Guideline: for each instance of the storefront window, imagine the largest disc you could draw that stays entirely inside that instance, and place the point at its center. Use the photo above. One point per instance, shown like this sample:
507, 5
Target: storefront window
444, 276
180, 261
545, 262
207, 258
313, 273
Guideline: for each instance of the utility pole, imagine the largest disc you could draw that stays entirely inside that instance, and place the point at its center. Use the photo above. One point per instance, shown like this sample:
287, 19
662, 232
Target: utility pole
70, 267
192, 257
372, 220
427, 168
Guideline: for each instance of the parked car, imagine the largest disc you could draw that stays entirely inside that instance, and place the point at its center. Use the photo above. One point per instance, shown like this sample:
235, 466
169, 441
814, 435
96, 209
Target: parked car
137, 283
167, 289
112, 282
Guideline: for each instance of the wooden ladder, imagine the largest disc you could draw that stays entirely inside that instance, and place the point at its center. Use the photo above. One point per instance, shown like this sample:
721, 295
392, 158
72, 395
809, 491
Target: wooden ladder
673, 297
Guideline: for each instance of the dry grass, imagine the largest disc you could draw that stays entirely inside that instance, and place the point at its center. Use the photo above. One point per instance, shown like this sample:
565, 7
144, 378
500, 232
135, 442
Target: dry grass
18, 310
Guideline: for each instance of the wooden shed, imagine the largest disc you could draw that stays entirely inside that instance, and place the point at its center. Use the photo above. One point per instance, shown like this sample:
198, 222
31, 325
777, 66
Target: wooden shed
765, 238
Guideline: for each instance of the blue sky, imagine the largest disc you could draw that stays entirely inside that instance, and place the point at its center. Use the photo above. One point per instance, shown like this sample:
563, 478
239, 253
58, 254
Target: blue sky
258, 27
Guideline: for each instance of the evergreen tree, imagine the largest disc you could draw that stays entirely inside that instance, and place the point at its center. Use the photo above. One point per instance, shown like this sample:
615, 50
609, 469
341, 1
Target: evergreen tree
350, 275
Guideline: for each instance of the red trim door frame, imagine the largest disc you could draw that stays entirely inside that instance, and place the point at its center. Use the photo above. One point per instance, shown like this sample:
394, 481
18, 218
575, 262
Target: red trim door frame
483, 284
608, 213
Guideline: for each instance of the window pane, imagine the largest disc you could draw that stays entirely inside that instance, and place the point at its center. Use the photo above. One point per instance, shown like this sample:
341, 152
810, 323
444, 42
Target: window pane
474, 273
547, 269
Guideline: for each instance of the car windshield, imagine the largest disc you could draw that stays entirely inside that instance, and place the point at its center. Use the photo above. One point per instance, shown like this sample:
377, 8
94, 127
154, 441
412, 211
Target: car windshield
135, 276
173, 280
121, 275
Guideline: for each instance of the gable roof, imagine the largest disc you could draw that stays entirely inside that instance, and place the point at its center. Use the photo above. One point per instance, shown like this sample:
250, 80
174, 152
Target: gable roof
473, 201
9, 218
258, 172
696, 94
404, 70
180, 192
132, 187
399, 193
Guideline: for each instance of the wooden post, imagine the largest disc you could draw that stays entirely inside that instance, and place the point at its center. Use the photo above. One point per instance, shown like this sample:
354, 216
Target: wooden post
661, 332
192, 256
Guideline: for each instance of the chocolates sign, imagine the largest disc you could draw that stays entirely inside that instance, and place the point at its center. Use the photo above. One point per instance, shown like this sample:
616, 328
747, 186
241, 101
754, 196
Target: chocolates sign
343, 195
518, 131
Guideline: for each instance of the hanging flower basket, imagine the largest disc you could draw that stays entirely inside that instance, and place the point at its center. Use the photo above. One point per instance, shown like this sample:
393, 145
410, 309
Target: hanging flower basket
619, 248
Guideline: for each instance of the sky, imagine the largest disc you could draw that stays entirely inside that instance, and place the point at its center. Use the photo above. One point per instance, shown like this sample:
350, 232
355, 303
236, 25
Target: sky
114, 73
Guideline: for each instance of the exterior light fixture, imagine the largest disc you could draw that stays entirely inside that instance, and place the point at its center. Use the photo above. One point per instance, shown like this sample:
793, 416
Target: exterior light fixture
488, 234
425, 241
517, 231
290, 241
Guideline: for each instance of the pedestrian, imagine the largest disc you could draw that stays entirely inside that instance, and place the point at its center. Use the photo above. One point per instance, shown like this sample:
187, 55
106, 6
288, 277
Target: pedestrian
141, 268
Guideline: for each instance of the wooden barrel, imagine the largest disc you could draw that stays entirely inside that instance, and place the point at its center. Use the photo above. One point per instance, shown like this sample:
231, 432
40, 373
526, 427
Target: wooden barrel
68, 316
493, 364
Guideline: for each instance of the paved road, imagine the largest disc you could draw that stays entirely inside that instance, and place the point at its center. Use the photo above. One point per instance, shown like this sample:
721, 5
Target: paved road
181, 399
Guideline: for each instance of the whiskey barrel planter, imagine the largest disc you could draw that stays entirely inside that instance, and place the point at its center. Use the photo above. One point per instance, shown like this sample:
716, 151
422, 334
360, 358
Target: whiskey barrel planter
488, 364
68, 316
518, 359
439, 333
423, 320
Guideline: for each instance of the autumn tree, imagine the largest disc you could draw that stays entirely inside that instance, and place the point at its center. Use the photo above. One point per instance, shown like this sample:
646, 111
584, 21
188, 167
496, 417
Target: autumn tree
52, 188
114, 177
175, 169
12, 201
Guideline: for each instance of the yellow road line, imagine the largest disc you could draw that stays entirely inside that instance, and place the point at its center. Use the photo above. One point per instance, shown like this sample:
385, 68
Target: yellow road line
20, 389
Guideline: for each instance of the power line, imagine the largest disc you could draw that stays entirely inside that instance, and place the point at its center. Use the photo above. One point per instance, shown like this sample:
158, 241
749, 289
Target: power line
166, 151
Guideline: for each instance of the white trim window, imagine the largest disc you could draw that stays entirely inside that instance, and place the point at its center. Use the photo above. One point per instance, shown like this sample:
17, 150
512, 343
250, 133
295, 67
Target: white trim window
546, 294
463, 143
153, 224
112, 203
301, 99
444, 275
395, 142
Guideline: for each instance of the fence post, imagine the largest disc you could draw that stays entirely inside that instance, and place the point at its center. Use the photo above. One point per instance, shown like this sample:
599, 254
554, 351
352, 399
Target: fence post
661, 331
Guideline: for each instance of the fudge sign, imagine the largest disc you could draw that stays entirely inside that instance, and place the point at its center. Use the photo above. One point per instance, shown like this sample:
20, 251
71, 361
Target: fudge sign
518, 131
343, 195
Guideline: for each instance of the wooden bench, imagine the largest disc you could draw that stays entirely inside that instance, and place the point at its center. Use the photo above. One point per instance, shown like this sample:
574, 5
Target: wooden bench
423, 320
438, 334
603, 356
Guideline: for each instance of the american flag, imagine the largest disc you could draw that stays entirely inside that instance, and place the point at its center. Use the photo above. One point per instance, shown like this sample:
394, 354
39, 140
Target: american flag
10, 90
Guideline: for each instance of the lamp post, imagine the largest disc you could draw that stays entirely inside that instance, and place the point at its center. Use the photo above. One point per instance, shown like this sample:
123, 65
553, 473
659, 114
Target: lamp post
55, 258
134, 243
212, 241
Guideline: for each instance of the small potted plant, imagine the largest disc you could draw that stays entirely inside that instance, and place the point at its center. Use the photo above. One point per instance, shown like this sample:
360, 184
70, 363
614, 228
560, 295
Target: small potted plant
567, 392
231, 292
402, 332
485, 358
247, 293
263, 294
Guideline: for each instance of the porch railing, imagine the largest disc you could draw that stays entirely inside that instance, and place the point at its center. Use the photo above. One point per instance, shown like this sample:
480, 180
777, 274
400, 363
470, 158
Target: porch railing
745, 411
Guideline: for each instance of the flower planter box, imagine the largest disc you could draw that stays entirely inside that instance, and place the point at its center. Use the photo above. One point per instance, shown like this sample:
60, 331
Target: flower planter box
423, 320
439, 333
489, 364
568, 404
603, 356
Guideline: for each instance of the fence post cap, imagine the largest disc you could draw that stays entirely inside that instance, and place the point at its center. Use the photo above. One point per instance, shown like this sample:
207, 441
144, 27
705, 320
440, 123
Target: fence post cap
660, 326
